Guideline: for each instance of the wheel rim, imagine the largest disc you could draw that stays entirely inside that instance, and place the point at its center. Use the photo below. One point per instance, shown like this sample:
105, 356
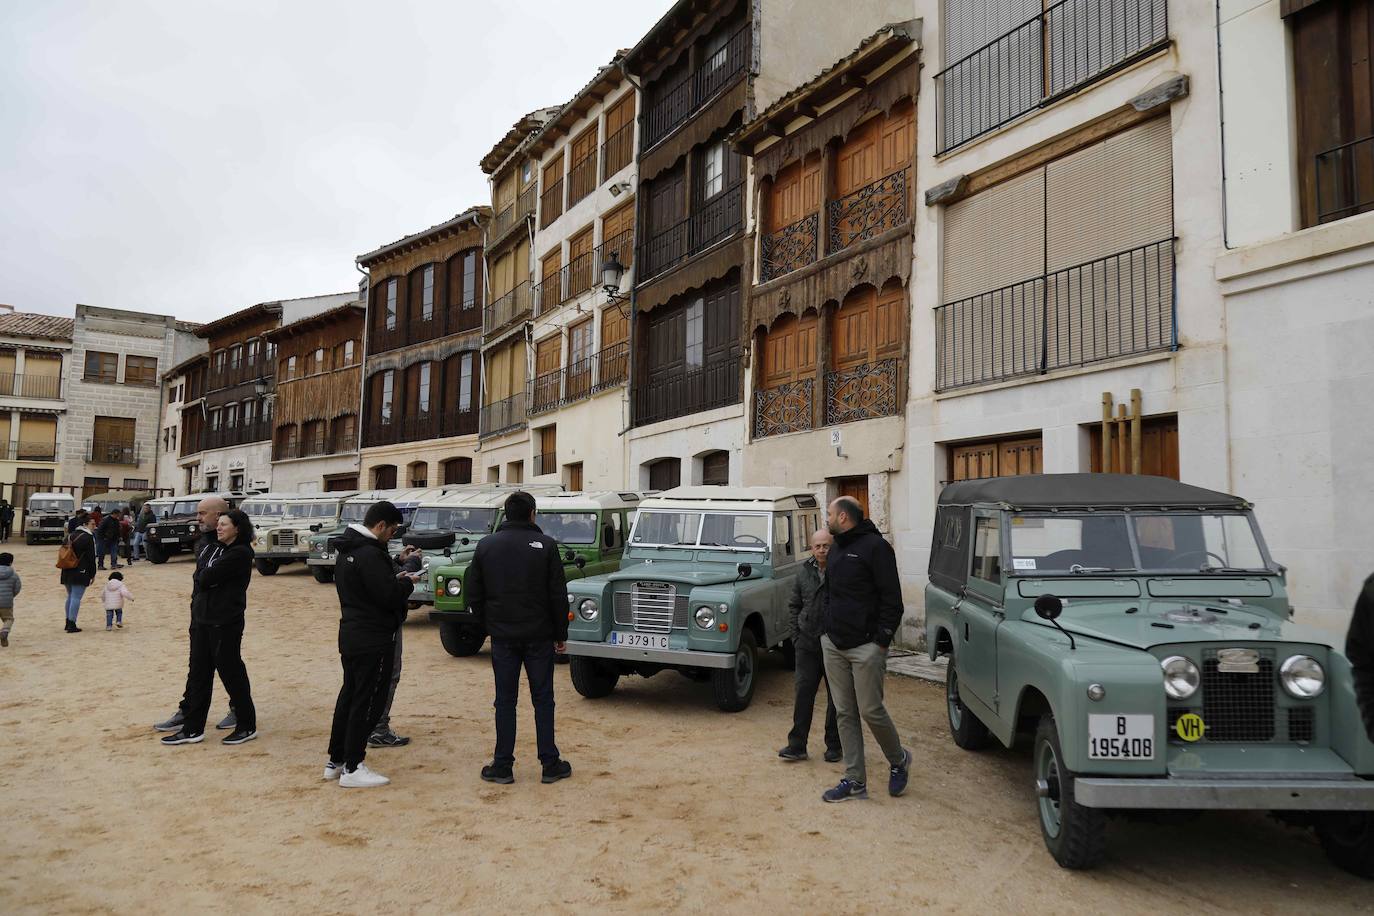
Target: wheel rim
1047, 772
744, 670
956, 708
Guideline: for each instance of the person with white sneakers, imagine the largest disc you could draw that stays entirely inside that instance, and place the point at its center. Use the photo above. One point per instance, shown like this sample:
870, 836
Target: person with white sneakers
373, 599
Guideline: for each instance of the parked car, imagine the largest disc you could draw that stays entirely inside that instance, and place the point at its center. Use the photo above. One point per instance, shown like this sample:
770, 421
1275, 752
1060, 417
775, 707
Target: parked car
45, 516
284, 539
176, 528
1139, 629
322, 554
702, 589
117, 499
589, 528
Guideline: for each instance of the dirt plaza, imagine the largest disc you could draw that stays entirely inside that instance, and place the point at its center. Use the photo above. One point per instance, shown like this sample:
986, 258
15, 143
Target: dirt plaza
673, 805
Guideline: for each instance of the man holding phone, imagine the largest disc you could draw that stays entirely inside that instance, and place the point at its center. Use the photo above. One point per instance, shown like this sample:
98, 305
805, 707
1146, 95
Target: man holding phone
410, 562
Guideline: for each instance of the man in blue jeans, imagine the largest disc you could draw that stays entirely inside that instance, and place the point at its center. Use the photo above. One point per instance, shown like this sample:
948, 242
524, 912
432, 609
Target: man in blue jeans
515, 584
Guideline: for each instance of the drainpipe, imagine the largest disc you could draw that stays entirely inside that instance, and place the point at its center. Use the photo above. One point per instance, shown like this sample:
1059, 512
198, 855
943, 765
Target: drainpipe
1221, 126
362, 371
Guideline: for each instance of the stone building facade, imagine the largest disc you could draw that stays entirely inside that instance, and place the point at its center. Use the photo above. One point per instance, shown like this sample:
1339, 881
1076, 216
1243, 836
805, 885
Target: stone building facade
35, 353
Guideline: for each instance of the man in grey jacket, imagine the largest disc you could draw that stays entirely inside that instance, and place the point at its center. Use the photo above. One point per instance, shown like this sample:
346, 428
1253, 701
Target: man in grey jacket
805, 605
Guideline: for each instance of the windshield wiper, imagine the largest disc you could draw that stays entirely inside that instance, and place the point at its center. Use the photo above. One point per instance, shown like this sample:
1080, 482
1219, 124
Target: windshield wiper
1078, 570
1224, 569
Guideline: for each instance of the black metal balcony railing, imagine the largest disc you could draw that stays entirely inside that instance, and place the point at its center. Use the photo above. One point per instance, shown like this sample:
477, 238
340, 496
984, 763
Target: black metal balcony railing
544, 392
238, 434
1115, 306
712, 386
513, 306
1345, 180
714, 222
617, 151
678, 102
30, 386
580, 380
790, 248
546, 463
397, 429
551, 204
286, 449
861, 392
107, 451
582, 178
1069, 45
787, 408
502, 416
245, 371
503, 220
612, 366
869, 211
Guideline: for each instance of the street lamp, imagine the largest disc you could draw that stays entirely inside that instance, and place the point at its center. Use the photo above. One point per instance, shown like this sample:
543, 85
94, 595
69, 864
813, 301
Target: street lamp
612, 272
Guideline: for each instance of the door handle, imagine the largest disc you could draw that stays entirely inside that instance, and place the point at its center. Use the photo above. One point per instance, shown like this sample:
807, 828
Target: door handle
966, 631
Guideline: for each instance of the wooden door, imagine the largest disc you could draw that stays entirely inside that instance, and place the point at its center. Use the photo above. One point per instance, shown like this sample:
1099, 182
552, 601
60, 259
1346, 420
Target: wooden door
715, 469
854, 487
1020, 456
996, 458
548, 355
550, 286
856, 162
615, 327
789, 350
581, 270
1158, 448
574, 483
618, 235
896, 139
796, 193
868, 327
548, 450
665, 474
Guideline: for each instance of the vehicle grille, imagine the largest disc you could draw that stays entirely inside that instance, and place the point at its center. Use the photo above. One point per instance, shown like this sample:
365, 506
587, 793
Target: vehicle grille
651, 607
1302, 724
285, 538
51, 522
1238, 706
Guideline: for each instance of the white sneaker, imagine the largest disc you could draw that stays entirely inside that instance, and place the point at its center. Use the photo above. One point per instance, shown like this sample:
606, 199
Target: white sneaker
362, 778
333, 770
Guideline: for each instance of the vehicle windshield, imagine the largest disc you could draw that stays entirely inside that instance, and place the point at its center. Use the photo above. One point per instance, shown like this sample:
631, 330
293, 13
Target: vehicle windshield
186, 507
259, 508
311, 510
51, 505
469, 521
1164, 542
678, 528
353, 512
568, 527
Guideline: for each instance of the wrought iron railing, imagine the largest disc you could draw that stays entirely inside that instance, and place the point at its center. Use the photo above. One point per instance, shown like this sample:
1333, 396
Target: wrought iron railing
869, 211
245, 371
547, 294
1069, 45
790, 248
502, 416
612, 366
680, 101
508, 309
714, 222
286, 449
30, 386
580, 271
582, 178
547, 463
545, 391
503, 220
862, 392
622, 246
239, 434
580, 379
551, 204
617, 151
678, 395
787, 408
1112, 307
107, 451
1345, 180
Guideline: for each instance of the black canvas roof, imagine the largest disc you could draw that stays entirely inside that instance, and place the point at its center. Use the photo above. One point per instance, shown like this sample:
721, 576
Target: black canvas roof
1078, 491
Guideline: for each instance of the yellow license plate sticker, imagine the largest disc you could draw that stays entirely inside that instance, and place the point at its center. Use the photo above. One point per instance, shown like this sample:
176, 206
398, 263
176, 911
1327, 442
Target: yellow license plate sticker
1190, 727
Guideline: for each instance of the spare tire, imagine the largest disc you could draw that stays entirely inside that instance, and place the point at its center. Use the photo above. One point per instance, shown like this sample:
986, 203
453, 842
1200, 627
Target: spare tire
429, 540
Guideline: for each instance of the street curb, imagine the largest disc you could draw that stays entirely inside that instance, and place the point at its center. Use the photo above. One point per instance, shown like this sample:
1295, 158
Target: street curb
911, 664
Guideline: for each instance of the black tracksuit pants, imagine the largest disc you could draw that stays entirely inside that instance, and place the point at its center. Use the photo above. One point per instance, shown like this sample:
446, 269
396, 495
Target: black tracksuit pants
366, 685
218, 649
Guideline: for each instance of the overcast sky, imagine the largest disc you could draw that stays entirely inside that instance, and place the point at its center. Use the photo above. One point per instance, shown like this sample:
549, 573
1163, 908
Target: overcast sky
190, 157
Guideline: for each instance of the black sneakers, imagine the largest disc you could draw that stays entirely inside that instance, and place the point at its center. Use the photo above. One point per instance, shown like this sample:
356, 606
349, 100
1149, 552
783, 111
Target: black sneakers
792, 754
559, 769
833, 756
183, 737
239, 736
386, 738
499, 773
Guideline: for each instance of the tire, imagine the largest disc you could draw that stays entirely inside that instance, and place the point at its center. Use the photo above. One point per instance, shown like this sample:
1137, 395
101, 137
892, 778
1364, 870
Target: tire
1348, 841
965, 728
266, 567
156, 553
734, 686
789, 654
323, 574
590, 678
460, 641
1076, 836
28, 539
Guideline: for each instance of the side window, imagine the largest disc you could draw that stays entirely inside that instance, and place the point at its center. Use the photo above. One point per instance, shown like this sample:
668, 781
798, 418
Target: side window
987, 550
782, 536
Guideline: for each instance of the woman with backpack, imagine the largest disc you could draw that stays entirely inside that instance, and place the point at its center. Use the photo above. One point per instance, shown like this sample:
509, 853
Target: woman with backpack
76, 559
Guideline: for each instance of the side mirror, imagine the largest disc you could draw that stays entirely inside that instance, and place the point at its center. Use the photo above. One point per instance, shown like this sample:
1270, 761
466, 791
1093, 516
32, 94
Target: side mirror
402, 530
316, 527
580, 562
448, 551
744, 570
570, 556
1049, 607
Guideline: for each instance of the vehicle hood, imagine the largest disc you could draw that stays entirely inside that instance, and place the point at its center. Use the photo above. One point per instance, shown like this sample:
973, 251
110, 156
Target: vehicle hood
677, 573
1167, 621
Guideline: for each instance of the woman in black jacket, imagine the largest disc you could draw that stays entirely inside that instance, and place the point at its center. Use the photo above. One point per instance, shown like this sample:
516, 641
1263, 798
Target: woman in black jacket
76, 579
219, 596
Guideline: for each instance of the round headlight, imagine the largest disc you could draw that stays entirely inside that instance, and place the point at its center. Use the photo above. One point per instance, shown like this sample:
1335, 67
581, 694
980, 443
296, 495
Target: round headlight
705, 617
1303, 677
1181, 677
588, 609
152, 530
454, 587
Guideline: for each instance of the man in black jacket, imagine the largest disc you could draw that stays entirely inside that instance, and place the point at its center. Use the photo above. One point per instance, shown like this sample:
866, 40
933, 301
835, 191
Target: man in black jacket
372, 601
805, 606
863, 609
1359, 648
107, 539
515, 584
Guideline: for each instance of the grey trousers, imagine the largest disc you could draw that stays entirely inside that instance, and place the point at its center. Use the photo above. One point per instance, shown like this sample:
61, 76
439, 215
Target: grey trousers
385, 721
856, 683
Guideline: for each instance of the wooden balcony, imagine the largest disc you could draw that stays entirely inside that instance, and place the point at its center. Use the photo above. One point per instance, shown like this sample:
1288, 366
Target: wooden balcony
673, 105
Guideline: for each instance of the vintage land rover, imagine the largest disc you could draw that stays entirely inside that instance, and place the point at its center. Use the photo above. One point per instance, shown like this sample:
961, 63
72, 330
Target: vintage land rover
589, 528
702, 589
283, 539
175, 528
322, 556
45, 516
1138, 628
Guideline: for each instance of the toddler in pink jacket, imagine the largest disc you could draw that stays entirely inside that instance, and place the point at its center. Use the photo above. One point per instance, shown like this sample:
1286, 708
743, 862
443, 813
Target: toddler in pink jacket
115, 594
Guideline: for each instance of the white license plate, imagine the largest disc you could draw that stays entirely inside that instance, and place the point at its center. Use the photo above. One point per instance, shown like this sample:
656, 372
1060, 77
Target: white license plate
1121, 737
638, 640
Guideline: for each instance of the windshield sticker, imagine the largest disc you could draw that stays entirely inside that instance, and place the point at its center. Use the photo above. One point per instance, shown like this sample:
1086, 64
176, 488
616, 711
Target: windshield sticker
1022, 563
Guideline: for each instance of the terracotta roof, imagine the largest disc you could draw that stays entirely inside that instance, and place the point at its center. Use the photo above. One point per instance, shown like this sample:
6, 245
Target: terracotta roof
876, 49
478, 215
312, 321
228, 321
32, 324
607, 78
514, 137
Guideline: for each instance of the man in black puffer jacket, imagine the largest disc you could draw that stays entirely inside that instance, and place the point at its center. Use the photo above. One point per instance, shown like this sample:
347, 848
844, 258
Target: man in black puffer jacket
862, 611
515, 584
1359, 648
372, 602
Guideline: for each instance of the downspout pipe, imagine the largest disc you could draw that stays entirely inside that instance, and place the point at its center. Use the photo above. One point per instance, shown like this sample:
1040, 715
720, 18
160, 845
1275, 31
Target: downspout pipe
362, 369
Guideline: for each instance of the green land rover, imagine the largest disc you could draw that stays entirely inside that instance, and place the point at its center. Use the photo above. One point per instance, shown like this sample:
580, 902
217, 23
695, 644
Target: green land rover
702, 589
175, 529
1139, 630
320, 553
590, 531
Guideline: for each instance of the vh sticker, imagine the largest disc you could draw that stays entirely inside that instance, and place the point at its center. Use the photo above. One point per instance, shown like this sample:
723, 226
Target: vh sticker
1190, 727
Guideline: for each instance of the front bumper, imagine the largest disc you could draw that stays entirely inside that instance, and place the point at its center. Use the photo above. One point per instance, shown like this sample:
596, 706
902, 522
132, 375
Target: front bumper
1349, 793
687, 658
282, 556
453, 617
320, 561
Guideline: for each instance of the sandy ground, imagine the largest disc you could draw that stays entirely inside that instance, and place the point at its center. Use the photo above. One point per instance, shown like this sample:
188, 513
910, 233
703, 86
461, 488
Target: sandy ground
672, 805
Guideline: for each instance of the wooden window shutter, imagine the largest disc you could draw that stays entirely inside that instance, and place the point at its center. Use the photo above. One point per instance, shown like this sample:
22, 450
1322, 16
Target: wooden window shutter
897, 139
995, 238
796, 193
851, 342
621, 113
617, 234
856, 161
548, 355
580, 245
550, 284
615, 327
